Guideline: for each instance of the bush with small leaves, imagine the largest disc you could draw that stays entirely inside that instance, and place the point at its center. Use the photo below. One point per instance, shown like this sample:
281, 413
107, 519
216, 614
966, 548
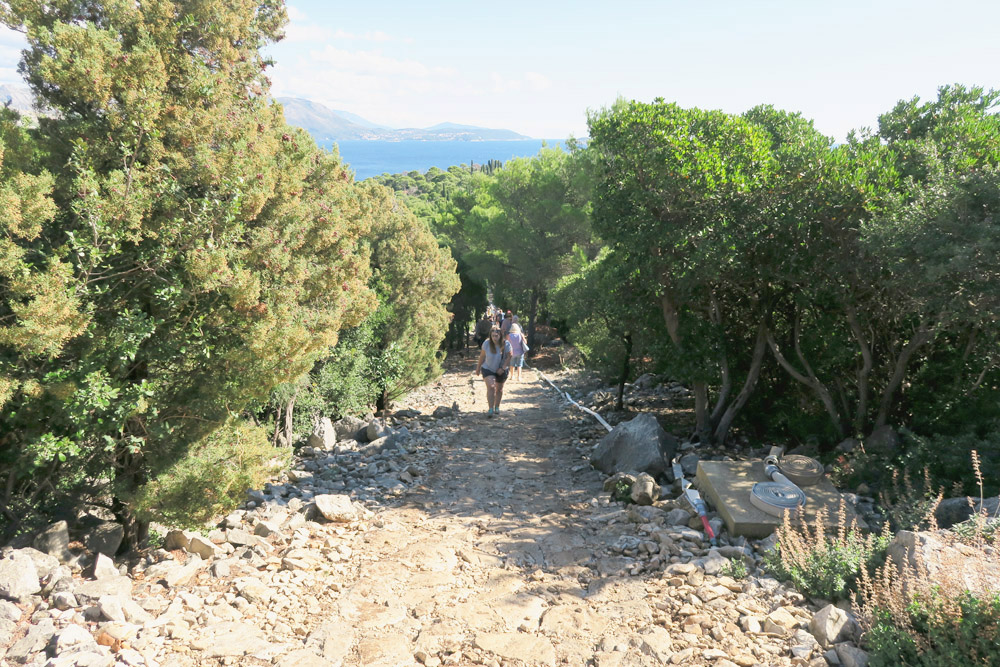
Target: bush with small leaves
213, 479
820, 565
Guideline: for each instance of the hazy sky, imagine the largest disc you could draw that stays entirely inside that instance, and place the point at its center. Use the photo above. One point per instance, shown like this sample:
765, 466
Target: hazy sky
537, 67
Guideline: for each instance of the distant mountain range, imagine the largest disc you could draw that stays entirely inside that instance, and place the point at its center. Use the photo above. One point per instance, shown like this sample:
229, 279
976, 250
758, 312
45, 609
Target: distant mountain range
18, 98
322, 123
329, 125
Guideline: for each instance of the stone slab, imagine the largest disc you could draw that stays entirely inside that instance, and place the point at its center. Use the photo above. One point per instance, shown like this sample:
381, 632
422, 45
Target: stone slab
726, 486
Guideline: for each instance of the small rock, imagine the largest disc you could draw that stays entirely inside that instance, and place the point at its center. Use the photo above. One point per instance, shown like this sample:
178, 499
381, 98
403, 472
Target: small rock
780, 622
240, 537
324, 436
44, 563
851, 656
266, 529
111, 608
376, 429
254, 591
176, 539
678, 517
103, 568
221, 569
713, 563
202, 547
689, 463
35, 640
63, 600
645, 490
828, 625
348, 428
72, 638
90, 592
337, 508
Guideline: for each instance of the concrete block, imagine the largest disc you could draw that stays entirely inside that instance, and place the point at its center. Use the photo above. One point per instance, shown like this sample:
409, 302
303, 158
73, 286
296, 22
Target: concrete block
726, 486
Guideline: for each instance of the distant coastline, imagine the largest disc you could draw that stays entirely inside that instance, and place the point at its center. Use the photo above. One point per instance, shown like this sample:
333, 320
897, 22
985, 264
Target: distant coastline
331, 125
368, 158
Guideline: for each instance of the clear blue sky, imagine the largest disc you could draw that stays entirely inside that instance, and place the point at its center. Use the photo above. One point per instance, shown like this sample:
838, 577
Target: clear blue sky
537, 67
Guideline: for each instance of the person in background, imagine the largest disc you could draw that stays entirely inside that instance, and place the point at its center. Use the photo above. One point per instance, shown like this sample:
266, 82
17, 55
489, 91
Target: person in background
518, 348
482, 332
494, 360
505, 325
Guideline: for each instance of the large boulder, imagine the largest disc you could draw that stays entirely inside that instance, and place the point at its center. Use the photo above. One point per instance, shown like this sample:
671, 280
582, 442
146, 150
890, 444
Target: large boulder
349, 428
989, 506
54, 541
830, 625
940, 559
324, 436
376, 429
883, 441
18, 577
638, 445
953, 510
105, 538
336, 507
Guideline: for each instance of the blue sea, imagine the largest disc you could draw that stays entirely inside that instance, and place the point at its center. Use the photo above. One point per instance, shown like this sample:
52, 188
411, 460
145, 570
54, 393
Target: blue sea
372, 158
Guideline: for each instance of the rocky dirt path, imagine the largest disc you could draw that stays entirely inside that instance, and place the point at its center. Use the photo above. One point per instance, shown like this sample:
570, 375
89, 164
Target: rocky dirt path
485, 541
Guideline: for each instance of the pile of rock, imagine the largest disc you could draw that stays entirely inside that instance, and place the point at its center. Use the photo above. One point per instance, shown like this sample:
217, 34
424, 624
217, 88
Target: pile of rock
701, 599
717, 603
222, 594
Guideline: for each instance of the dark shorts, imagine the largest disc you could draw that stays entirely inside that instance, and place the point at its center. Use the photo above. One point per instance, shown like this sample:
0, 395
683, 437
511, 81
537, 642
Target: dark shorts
487, 371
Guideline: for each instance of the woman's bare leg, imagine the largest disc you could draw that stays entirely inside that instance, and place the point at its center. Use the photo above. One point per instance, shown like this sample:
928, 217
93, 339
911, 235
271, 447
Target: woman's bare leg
498, 395
490, 390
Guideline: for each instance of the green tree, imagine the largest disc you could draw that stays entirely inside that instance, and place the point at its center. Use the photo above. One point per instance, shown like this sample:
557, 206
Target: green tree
674, 188
610, 317
529, 218
213, 248
415, 279
444, 200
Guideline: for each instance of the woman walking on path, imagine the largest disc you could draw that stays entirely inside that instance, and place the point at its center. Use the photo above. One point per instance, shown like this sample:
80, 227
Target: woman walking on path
494, 360
518, 348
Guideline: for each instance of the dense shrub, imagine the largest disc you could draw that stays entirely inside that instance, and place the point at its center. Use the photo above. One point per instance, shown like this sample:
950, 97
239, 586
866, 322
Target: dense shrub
820, 565
213, 478
172, 251
938, 632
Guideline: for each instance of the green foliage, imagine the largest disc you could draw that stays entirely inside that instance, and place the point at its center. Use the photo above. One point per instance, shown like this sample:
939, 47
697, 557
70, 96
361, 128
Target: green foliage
821, 565
414, 277
173, 249
609, 318
527, 223
941, 461
442, 200
978, 530
829, 572
622, 492
939, 632
735, 568
213, 478
396, 347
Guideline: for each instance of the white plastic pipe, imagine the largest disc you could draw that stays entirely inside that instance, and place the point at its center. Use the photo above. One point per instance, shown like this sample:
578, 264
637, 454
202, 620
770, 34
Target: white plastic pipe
570, 399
